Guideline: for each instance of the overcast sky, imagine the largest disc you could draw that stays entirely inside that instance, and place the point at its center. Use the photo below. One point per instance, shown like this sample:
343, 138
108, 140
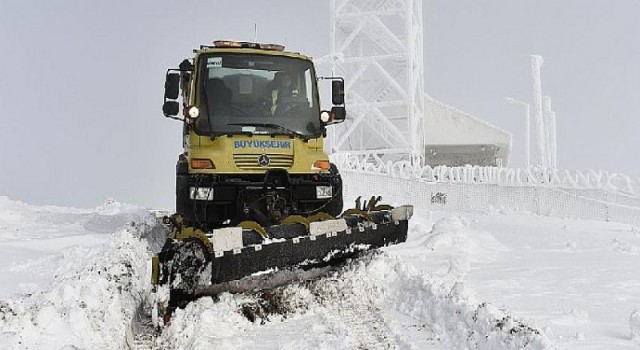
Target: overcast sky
81, 81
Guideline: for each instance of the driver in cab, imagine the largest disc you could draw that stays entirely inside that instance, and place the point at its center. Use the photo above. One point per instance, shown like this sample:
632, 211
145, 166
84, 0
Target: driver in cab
281, 87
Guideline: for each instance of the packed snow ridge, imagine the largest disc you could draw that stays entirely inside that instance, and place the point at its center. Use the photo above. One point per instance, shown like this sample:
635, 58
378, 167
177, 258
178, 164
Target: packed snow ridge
95, 290
368, 304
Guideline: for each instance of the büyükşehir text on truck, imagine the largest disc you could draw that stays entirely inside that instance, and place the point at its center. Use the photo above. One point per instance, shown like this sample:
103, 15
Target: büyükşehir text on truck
255, 190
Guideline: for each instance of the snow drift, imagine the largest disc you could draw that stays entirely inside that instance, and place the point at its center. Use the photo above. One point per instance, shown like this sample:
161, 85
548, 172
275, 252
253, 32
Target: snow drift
95, 290
358, 306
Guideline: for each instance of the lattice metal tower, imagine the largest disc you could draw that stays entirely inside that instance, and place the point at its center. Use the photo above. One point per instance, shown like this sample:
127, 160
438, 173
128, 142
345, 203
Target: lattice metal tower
377, 46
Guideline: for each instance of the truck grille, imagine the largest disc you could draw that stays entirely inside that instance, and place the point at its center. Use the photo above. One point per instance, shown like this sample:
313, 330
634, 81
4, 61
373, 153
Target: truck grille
251, 161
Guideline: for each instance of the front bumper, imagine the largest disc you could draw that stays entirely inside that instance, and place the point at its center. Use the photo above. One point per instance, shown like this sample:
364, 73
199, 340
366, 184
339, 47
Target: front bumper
212, 199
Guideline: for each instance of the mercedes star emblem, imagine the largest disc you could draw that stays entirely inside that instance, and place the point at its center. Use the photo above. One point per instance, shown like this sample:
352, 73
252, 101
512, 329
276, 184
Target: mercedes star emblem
264, 160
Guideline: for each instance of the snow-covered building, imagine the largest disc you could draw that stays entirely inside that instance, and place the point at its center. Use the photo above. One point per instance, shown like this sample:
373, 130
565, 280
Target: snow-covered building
456, 138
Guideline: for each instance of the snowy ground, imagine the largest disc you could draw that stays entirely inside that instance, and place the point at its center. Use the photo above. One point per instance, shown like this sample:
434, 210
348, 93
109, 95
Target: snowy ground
76, 278
577, 281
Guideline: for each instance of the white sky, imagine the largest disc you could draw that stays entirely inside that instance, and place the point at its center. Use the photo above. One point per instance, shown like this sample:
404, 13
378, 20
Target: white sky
81, 82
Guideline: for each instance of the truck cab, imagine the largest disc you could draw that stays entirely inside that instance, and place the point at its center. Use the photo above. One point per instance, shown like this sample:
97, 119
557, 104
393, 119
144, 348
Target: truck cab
253, 134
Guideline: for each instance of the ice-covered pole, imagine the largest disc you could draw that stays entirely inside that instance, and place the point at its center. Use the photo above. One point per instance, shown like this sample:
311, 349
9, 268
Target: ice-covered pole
330, 142
415, 67
554, 140
536, 64
546, 113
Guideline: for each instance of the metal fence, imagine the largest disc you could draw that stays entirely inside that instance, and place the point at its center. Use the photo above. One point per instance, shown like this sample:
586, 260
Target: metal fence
370, 163
599, 196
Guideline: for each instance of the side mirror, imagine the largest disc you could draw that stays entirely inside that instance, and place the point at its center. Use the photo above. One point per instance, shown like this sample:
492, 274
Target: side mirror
172, 86
185, 65
338, 114
337, 92
171, 108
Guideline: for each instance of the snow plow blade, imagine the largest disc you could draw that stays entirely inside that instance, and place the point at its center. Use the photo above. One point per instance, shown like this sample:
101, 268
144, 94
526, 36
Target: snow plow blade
236, 260
305, 252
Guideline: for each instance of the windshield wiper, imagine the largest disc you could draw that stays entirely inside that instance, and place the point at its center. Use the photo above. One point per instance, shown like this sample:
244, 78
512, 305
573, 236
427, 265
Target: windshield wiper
206, 106
272, 126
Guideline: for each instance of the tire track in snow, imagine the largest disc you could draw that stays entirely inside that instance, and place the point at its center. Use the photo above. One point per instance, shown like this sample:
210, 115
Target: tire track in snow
357, 315
141, 334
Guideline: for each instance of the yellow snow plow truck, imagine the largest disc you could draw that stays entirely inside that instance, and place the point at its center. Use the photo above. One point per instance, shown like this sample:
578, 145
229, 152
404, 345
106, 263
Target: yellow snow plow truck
255, 191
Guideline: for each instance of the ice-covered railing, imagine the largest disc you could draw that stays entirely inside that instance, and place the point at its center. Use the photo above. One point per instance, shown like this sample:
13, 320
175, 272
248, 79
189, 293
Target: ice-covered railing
532, 176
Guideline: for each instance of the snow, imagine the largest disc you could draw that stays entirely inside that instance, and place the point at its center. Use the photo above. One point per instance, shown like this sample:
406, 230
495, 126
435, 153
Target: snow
88, 306
37, 239
577, 280
497, 279
368, 304
90, 286
634, 325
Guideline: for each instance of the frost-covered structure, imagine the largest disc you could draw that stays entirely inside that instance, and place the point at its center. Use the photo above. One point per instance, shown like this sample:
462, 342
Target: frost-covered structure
541, 135
377, 46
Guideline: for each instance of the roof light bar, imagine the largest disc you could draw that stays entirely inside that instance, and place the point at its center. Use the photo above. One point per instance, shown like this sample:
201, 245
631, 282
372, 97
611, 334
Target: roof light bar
227, 43
248, 45
273, 47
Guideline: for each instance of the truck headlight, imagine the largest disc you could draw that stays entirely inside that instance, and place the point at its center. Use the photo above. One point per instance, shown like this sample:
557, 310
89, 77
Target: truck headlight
201, 193
194, 112
324, 192
325, 116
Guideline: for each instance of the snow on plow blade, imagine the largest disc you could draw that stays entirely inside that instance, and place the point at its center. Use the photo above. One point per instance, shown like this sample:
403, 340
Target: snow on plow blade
193, 267
303, 252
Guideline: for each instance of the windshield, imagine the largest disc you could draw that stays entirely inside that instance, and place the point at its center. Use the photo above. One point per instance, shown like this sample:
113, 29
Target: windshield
257, 94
